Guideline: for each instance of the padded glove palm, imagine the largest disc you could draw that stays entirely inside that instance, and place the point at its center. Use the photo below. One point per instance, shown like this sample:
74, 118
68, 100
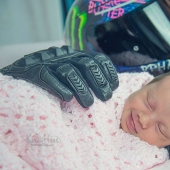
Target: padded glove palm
66, 73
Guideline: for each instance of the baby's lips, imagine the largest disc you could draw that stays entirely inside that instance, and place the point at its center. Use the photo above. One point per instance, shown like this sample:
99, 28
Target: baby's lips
130, 124
133, 123
136, 121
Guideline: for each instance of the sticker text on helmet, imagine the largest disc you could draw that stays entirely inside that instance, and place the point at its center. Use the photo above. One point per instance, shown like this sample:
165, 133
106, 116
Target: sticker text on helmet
114, 8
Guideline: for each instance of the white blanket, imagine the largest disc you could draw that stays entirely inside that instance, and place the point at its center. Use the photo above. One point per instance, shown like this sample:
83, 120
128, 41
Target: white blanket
37, 131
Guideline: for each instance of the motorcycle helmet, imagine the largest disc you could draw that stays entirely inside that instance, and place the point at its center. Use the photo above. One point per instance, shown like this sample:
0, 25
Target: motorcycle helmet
135, 34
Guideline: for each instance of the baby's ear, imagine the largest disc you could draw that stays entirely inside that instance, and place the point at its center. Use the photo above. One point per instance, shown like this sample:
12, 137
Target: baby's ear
147, 78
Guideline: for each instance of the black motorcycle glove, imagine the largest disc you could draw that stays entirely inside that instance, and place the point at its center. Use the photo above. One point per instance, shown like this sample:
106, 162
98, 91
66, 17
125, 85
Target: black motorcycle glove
65, 73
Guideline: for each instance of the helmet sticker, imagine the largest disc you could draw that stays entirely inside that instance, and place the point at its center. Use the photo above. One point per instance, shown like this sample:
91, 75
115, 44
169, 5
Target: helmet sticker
79, 19
162, 65
83, 19
114, 8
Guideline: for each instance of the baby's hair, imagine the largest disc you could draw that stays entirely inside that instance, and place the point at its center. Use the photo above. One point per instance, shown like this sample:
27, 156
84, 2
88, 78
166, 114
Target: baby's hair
160, 77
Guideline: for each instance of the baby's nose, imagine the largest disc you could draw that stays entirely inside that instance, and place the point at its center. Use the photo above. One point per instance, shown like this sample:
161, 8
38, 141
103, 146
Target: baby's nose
145, 120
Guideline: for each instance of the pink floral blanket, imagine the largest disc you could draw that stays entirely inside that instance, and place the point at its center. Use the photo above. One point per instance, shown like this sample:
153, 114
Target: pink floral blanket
40, 132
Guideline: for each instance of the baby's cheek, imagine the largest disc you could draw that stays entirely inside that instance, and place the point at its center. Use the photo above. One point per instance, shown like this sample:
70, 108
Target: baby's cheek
123, 125
133, 100
128, 103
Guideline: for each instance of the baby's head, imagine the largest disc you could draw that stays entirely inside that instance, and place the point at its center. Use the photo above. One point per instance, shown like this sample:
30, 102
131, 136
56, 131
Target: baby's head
146, 112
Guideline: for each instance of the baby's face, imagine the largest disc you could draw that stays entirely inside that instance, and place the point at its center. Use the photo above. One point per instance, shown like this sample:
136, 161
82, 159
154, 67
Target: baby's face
146, 113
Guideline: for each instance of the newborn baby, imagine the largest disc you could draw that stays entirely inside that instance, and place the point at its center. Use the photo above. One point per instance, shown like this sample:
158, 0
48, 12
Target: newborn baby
146, 112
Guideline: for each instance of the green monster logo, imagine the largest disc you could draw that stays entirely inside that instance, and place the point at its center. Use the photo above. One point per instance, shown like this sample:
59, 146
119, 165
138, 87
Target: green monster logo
83, 19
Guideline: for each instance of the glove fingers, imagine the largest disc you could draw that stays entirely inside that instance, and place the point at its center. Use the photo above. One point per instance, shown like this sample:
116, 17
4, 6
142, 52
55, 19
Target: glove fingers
61, 70
53, 85
93, 74
109, 70
72, 78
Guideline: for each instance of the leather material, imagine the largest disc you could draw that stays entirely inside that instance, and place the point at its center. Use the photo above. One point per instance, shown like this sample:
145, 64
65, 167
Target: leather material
65, 73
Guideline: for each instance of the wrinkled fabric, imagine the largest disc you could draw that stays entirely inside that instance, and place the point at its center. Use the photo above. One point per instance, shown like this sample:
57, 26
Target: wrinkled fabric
38, 131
